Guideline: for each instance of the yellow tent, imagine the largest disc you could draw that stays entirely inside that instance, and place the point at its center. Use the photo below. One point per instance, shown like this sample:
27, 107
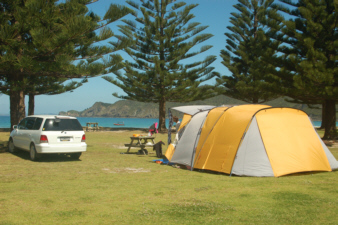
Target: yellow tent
254, 140
219, 148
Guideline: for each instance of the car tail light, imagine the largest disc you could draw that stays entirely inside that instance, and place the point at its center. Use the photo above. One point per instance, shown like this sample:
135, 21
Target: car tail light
83, 138
43, 139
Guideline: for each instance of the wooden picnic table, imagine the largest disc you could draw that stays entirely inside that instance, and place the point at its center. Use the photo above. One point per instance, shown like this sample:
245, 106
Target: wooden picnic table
140, 142
92, 126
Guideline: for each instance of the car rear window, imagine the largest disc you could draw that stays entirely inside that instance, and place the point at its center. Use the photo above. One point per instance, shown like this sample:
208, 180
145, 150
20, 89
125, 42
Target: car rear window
62, 125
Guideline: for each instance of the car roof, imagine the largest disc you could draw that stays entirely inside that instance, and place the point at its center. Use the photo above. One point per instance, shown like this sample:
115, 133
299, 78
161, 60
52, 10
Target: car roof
53, 116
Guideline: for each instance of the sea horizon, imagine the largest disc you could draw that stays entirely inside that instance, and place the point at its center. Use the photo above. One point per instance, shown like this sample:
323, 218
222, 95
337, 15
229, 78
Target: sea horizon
103, 122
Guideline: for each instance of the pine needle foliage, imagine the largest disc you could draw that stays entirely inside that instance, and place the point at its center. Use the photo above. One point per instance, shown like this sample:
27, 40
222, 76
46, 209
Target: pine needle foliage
308, 57
165, 43
42, 39
248, 44
50, 36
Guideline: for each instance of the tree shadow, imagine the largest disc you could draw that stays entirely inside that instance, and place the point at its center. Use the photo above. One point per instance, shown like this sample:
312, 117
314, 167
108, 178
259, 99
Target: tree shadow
3, 146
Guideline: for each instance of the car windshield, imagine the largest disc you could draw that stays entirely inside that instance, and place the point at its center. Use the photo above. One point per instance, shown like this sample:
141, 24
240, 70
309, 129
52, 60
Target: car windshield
62, 125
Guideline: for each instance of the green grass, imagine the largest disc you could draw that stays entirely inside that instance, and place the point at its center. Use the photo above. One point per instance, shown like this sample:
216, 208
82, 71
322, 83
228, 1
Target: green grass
106, 187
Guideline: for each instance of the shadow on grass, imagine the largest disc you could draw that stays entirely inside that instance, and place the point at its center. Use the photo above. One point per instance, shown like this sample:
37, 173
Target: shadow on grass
46, 157
3, 146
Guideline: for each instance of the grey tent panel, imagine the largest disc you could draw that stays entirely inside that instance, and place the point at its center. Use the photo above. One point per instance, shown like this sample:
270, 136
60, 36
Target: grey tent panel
251, 158
332, 160
185, 147
192, 109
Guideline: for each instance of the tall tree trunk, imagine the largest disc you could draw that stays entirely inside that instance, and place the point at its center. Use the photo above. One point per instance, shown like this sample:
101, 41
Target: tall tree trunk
330, 118
17, 106
31, 104
322, 126
254, 100
162, 101
161, 126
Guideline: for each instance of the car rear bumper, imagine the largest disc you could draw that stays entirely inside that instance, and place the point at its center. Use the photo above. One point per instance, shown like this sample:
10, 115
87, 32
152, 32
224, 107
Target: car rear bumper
46, 148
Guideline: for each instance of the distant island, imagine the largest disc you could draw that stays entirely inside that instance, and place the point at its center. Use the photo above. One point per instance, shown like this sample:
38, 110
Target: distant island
122, 109
134, 109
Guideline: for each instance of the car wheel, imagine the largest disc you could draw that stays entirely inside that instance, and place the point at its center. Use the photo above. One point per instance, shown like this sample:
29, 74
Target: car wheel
11, 147
75, 155
33, 154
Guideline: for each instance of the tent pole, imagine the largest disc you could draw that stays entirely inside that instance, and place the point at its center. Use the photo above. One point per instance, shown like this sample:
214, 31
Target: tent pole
170, 125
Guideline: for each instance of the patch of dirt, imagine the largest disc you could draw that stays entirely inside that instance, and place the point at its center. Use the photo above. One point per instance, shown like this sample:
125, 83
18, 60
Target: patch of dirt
330, 143
119, 146
335, 145
126, 170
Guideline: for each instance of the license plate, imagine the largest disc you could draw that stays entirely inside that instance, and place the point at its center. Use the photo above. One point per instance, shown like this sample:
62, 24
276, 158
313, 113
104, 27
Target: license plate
64, 138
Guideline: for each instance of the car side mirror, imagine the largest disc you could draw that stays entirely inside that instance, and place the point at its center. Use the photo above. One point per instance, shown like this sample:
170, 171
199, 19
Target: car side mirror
15, 127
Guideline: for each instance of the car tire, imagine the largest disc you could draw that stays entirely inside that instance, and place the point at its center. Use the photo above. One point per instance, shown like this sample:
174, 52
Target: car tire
34, 156
75, 155
11, 146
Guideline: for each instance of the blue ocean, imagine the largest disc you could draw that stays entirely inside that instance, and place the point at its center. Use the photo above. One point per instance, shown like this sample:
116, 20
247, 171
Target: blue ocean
109, 122
102, 121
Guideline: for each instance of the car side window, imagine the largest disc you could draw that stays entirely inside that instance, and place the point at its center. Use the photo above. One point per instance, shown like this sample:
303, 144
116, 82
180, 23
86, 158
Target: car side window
27, 123
37, 123
30, 123
22, 124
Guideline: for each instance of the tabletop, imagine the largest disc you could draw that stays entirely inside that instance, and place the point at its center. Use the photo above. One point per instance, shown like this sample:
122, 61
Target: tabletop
142, 137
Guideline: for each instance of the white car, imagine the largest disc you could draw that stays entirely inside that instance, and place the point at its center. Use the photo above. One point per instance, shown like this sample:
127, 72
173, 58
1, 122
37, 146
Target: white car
43, 134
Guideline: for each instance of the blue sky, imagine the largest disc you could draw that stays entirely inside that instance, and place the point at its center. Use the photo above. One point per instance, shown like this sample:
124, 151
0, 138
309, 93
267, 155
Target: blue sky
214, 13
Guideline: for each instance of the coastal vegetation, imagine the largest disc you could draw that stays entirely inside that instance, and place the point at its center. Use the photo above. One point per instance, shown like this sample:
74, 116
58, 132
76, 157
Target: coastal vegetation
163, 38
248, 45
45, 43
307, 58
284, 48
107, 187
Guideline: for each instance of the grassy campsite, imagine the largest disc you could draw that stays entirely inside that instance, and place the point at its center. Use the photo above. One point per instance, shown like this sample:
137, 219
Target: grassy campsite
107, 187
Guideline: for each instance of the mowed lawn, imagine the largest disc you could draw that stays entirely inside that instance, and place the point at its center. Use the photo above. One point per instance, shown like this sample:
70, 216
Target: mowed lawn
107, 187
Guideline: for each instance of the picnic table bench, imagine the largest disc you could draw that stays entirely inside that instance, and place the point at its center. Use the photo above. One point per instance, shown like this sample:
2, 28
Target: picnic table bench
140, 142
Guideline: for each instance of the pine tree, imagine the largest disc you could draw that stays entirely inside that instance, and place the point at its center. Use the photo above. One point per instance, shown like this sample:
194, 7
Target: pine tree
44, 38
308, 58
164, 43
248, 44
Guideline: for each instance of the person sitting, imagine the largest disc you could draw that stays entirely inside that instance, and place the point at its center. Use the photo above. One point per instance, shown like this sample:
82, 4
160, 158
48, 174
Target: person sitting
153, 129
178, 134
178, 123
